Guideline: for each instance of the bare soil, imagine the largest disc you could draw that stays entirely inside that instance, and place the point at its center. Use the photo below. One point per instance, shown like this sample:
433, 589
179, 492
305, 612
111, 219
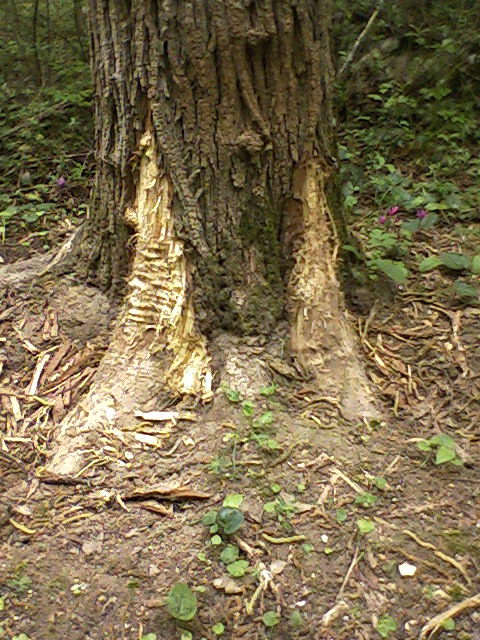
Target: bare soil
94, 556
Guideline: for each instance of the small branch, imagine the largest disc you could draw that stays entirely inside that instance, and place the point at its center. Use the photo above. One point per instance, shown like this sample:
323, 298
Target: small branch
360, 39
436, 622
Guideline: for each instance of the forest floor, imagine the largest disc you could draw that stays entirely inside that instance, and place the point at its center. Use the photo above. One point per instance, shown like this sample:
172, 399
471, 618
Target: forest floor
350, 529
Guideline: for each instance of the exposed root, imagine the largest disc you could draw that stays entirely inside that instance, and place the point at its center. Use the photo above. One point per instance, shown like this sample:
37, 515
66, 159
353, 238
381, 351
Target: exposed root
24, 271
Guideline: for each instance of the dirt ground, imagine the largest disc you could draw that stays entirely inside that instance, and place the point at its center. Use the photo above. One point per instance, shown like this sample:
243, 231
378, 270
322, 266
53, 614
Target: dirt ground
335, 513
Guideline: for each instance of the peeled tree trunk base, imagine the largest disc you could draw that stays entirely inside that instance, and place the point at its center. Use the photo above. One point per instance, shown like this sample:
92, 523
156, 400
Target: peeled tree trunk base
157, 351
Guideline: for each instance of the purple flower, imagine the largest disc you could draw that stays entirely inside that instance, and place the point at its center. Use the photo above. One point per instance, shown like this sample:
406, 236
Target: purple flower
61, 182
393, 210
421, 214
382, 219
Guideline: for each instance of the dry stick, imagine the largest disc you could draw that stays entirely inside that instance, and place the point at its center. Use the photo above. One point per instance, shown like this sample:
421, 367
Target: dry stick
348, 574
436, 622
359, 40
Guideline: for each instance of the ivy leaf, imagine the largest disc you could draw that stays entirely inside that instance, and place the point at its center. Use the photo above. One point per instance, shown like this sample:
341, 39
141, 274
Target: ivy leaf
264, 420
394, 270
268, 391
237, 569
270, 619
430, 263
445, 454
476, 264
424, 445
181, 602
233, 500
341, 515
386, 625
448, 624
218, 628
229, 519
209, 518
248, 408
269, 507
232, 394
442, 439
465, 290
366, 499
229, 554
365, 526
455, 261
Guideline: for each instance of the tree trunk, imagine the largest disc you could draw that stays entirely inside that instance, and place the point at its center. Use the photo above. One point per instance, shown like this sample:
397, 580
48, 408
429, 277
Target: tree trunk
215, 145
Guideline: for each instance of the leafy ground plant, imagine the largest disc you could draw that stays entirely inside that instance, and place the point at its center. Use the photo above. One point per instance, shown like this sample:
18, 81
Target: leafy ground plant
444, 447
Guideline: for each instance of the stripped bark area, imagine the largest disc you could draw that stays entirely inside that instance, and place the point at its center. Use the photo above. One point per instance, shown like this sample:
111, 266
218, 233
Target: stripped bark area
215, 147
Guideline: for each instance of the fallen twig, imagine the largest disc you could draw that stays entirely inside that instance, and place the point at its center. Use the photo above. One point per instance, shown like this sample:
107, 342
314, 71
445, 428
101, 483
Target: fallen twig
436, 622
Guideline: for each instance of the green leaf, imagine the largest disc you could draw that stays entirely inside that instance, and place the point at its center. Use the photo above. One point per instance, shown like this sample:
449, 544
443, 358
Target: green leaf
455, 261
214, 528
229, 554
307, 547
448, 624
365, 526
444, 454
386, 625
268, 391
476, 265
229, 519
232, 394
341, 515
270, 619
429, 221
216, 540
149, 636
237, 569
436, 206
394, 270
366, 499
218, 628
296, 619
465, 290
186, 635
233, 500
264, 420
276, 488
209, 518
2, 603
269, 507
248, 408
430, 263
182, 604
380, 483
442, 439
273, 444
22, 636
424, 445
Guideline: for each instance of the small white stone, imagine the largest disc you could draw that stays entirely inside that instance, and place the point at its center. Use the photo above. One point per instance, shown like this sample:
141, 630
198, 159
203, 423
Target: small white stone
324, 537
407, 570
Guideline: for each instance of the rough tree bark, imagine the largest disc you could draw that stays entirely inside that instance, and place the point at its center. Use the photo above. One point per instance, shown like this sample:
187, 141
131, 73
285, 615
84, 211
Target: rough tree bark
215, 145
